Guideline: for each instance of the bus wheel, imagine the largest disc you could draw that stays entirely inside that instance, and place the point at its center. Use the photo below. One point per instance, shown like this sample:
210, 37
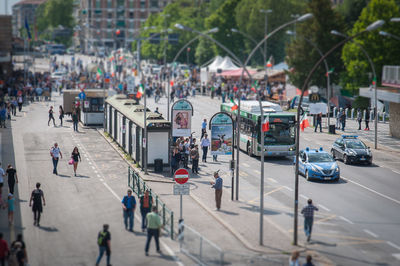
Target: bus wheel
249, 151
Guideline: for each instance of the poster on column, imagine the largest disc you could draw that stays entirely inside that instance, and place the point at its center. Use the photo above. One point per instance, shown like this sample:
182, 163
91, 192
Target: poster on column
181, 118
221, 134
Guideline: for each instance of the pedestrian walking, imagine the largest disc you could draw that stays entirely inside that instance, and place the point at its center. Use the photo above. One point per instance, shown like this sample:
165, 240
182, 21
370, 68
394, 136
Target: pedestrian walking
319, 123
10, 205
56, 154
129, 206
51, 116
12, 178
203, 128
3, 116
367, 117
75, 120
104, 242
338, 118
2, 175
359, 118
217, 186
154, 226
61, 112
20, 101
308, 213
194, 154
3, 250
76, 157
308, 261
205, 143
343, 119
18, 254
294, 259
37, 208
146, 202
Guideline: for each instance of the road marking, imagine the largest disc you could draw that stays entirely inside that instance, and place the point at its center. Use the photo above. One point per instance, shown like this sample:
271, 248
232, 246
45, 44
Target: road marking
245, 164
396, 255
393, 245
257, 172
101, 179
90, 163
95, 171
304, 197
323, 207
243, 173
288, 188
346, 220
98, 176
93, 167
272, 180
370, 233
373, 191
397, 172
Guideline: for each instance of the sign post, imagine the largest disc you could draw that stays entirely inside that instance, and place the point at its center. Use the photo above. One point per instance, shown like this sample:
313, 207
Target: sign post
181, 188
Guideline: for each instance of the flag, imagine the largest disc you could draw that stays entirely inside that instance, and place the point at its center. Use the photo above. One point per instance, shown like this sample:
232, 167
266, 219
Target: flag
139, 92
253, 89
304, 122
255, 86
330, 71
269, 64
99, 73
374, 81
235, 106
265, 124
27, 29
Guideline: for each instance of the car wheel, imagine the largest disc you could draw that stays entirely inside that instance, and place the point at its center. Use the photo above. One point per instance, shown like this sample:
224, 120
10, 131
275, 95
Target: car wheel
345, 159
308, 178
333, 154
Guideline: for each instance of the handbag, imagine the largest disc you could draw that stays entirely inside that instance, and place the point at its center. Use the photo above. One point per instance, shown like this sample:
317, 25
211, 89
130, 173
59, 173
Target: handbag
71, 161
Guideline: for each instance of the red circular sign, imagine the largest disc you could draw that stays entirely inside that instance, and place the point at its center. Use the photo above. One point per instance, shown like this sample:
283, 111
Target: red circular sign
181, 176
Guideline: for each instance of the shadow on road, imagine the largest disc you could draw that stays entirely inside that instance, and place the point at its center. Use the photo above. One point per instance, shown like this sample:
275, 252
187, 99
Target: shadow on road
257, 209
65, 176
228, 212
48, 228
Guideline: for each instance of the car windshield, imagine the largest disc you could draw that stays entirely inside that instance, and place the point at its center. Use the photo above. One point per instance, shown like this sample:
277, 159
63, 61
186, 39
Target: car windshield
355, 144
319, 158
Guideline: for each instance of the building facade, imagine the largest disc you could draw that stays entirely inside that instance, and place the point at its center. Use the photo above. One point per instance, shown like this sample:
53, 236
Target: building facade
21, 10
113, 23
5, 48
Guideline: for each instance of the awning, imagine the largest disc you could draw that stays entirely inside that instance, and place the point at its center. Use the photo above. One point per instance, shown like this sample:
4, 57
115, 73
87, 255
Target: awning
236, 73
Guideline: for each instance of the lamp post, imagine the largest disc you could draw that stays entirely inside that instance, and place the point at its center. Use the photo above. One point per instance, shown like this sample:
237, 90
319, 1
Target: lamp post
387, 34
371, 27
289, 32
165, 50
334, 32
266, 12
251, 39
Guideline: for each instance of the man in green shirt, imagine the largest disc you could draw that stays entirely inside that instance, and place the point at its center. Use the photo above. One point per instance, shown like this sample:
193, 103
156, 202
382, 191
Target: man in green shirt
153, 229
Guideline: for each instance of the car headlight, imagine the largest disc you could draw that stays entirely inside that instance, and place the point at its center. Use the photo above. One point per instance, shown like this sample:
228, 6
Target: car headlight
337, 169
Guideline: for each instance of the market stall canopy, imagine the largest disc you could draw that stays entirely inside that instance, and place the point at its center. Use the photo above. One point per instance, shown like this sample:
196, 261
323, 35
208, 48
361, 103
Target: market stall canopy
227, 64
236, 73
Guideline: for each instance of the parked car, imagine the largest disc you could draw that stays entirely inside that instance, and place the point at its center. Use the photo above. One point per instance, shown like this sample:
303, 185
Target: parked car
350, 149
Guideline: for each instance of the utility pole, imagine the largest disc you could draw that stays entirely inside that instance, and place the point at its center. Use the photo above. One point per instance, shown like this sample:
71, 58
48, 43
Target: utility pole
265, 11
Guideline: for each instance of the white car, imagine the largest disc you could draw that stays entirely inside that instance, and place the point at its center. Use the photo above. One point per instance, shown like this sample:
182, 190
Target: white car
58, 75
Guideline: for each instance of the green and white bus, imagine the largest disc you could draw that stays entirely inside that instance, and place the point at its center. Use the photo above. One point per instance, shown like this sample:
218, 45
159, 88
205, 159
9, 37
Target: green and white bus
279, 140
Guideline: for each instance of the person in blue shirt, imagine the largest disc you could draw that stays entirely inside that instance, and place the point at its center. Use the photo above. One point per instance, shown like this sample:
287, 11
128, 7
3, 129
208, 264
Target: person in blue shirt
217, 186
129, 206
203, 128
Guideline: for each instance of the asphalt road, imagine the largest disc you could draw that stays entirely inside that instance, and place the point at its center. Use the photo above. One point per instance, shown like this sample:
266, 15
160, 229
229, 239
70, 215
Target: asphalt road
357, 222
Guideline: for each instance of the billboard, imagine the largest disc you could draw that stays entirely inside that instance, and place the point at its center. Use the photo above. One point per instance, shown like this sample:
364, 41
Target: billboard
181, 118
221, 134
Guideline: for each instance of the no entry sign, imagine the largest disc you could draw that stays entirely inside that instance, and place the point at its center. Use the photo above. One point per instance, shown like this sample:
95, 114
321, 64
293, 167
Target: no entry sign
181, 176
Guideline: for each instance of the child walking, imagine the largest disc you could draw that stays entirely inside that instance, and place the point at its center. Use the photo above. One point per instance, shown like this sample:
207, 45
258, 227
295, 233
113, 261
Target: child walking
10, 204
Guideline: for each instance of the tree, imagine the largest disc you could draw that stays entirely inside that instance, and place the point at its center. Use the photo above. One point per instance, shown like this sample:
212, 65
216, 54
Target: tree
351, 10
302, 56
382, 50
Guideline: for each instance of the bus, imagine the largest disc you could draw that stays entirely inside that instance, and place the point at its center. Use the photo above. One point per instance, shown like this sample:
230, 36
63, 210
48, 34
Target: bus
279, 140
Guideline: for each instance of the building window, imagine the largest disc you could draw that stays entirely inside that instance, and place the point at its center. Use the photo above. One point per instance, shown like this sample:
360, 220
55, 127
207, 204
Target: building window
131, 4
143, 15
98, 3
109, 25
131, 15
142, 4
154, 3
110, 15
109, 3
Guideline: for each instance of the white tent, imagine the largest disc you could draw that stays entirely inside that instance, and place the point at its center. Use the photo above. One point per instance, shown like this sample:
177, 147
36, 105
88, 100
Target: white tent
227, 64
215, 64
218, 63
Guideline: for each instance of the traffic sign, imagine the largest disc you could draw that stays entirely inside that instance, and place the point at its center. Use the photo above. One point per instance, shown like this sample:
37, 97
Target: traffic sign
181, 176
181, 189
82, 95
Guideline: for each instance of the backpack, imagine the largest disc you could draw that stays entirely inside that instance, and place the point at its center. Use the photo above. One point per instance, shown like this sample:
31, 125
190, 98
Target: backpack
101, 238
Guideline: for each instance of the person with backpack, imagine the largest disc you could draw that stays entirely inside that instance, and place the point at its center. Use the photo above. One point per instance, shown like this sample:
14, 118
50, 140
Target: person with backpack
129, 206
146, 202
37, 208
104, 242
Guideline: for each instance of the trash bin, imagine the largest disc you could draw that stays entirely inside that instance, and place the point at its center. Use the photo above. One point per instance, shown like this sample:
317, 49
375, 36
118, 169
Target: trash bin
332, 129
158, 165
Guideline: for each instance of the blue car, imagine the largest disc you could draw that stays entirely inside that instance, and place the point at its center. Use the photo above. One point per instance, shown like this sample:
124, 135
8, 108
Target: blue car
318, 164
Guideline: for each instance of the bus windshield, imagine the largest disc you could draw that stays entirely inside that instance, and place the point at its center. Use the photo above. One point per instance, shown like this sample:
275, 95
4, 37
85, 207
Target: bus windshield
279, 134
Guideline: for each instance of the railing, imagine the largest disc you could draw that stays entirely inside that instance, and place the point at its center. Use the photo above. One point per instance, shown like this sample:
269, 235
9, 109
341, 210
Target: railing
136, 183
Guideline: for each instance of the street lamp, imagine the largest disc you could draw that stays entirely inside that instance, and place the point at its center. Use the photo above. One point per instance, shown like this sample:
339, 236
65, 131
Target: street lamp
395, 20
334, 32
387, 34
289, 32
371, 27
266, 12
251, 39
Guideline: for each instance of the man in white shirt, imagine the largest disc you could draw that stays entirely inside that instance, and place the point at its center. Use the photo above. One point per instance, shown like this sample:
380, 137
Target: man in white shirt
55, 155
205, 143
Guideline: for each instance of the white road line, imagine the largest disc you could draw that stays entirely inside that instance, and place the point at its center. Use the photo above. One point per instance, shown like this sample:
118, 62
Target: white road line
93, 167
288, 188
323, 207
90, 163
245, 164
393, 245
396, 255
394, 171
95, 171
370, 233
101, 179
272, 180
256, 171
112, 191
304, 197
346, 220
373, 191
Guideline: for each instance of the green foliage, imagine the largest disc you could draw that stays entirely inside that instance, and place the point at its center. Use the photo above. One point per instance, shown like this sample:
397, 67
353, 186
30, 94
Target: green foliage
52, 14
205, 51
302, 56
351, 10
361, 103
382, 50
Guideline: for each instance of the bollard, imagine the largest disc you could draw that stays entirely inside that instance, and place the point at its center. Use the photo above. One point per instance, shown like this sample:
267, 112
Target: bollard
163, 216
352, 113
384, 117
371, 115
172, 225
129, 176
346, 111
334, 112
364, 113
